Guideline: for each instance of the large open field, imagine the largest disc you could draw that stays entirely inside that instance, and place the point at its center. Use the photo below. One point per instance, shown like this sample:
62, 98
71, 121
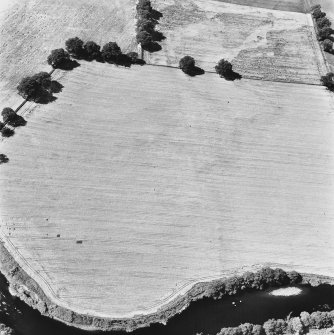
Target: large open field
167, 179
261, 43
30, 29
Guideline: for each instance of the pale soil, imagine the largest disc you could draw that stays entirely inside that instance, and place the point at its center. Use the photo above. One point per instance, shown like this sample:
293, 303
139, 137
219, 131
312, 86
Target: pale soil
30, 29
285, 5
286, 292
167, 180
261, 43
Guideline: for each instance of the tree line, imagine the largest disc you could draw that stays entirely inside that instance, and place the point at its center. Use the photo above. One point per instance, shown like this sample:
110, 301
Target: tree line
298, 325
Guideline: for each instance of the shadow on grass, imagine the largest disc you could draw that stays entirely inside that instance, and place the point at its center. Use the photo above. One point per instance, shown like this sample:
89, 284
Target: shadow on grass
152, 47
156, 15
56, 87
45, 98
18, 121
3, 159
233, 76
68, 65
194, 71
158, 36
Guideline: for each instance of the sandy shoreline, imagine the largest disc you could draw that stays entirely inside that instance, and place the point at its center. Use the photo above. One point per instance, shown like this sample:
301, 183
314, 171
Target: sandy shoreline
28, 290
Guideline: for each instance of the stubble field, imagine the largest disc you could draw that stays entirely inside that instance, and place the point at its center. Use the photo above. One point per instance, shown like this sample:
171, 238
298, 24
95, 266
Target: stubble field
261, 43
165, 180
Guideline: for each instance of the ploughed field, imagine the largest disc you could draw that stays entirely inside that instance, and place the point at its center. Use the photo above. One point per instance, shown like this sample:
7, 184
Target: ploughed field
261, 43
165, 180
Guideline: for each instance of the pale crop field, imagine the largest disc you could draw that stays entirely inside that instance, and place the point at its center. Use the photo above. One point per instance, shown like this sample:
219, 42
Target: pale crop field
261, 43
30, 29
167, 180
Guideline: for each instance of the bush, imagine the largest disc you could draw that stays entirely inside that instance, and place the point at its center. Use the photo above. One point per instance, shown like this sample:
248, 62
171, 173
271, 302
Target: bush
43, 79
224, 68
92, 50
328, 45
305, 318
325, 33
1, 125
328, 81
58, 57
7, 132
8, 114
187, 64
74, 46
111, 52
323, 22
275, 327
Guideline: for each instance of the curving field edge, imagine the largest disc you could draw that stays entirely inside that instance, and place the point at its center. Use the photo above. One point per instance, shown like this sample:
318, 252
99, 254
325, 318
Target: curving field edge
25, 287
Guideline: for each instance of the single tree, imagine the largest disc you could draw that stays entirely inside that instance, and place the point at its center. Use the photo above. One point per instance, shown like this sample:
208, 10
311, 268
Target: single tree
74, 46
8, 115
323, 22
328, 81
92, 50
29, 88
58, 57
328, 45
111, 52
144, 39
325, 33
133, 56
224, 68
43, 79
144, 24
317, 13
187, 64
7, 132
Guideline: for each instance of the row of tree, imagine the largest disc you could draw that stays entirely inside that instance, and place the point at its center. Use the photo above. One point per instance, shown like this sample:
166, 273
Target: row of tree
77, 48
147, 20
223, 68
324, 28
296, 325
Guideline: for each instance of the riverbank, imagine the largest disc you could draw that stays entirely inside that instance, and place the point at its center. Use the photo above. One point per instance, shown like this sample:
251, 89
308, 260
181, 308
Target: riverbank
27, 289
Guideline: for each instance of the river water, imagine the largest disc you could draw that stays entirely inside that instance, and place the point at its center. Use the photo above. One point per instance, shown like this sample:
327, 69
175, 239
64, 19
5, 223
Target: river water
207, 316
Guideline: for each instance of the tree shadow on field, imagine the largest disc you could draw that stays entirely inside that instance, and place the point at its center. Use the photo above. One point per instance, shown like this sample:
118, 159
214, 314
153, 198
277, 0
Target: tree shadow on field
158, 36
45, 98
152, 47
156, 15
56, 87
233, 76
68, 65
18, 121
195, 71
